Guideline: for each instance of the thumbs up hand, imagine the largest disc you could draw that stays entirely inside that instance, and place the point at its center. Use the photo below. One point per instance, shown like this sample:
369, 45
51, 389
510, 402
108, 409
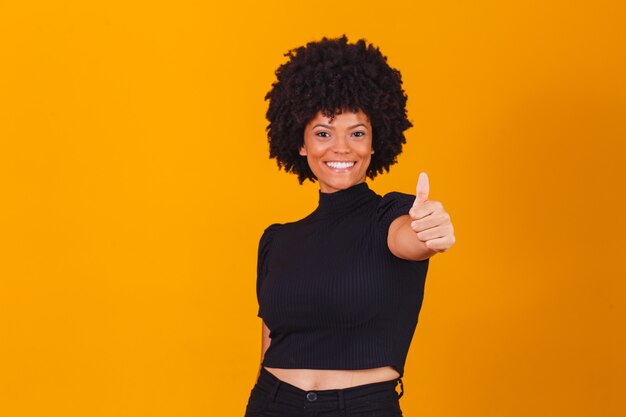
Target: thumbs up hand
429, 220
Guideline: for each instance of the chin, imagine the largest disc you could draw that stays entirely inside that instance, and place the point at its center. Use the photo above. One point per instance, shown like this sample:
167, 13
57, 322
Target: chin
341, 184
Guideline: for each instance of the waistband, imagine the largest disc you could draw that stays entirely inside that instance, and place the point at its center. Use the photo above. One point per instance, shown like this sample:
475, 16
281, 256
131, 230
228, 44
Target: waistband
270, 385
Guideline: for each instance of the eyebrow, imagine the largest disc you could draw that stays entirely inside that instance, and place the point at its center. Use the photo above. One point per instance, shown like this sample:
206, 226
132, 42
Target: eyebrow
332, 127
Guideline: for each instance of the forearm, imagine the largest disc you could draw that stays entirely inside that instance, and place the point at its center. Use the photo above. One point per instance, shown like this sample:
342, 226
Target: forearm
404, 243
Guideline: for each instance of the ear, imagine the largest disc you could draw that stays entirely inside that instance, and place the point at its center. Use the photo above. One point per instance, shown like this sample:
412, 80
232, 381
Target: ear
302, 150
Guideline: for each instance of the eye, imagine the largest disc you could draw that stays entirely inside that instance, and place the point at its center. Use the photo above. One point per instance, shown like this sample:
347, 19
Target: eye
359, 134
323, 134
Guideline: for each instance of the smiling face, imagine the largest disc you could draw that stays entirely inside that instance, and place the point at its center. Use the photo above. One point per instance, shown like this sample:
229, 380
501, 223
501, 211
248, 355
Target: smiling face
338, 151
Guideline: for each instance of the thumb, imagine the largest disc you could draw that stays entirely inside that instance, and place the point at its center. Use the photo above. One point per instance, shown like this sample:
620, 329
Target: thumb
422, 188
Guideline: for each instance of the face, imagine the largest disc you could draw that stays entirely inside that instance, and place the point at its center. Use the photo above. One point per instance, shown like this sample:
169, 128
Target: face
339, 150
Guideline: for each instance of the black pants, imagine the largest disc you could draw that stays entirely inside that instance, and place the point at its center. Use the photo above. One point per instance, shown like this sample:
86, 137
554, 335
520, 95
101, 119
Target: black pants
272, 397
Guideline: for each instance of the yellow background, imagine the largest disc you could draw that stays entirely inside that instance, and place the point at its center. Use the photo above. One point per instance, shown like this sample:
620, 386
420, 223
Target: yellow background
135, 184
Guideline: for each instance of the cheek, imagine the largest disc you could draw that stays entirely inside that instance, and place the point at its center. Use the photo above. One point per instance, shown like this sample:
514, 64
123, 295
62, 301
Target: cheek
365, 150
366, 161
317, 151
314, 160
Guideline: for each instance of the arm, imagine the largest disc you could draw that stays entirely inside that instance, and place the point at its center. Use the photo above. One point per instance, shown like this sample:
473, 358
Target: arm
403, 242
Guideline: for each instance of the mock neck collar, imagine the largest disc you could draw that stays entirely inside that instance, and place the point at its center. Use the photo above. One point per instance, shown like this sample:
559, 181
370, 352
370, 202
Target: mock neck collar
346, 199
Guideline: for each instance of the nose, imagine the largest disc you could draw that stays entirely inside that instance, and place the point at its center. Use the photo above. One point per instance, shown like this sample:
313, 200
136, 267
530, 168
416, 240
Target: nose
341, 145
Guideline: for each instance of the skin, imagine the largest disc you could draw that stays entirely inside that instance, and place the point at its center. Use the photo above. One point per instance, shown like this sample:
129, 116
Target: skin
425, 231
347, 137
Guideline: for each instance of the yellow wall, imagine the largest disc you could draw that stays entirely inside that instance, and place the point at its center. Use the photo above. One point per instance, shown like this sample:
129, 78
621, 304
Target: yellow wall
135, 184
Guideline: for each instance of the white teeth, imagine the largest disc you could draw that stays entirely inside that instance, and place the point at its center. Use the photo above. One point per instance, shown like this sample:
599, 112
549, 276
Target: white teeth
340, 165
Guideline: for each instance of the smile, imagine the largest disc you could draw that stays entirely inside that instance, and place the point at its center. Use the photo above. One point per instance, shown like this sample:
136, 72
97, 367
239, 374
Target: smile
340, 165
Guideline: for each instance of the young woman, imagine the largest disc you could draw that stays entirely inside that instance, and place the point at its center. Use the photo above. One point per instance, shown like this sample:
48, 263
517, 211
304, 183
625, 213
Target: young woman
340, 290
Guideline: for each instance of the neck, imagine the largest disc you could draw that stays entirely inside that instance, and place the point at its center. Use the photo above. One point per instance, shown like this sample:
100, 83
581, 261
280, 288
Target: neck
345, 199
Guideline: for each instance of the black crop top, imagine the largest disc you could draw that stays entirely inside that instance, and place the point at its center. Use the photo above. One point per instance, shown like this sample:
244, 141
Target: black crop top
330, 290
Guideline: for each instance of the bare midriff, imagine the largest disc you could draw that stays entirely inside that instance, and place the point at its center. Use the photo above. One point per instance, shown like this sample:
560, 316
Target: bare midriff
322, 379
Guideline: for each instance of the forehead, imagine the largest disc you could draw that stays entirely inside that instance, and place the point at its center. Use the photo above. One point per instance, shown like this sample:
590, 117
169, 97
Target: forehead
345, 118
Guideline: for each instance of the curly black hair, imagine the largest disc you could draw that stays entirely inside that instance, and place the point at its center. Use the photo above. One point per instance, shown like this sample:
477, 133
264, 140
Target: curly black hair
331, 76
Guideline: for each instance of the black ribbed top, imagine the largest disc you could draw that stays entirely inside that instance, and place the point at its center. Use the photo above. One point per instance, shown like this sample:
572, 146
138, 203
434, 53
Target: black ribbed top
331, 292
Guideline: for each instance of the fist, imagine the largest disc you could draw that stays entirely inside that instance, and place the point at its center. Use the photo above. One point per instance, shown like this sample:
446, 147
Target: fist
429, 220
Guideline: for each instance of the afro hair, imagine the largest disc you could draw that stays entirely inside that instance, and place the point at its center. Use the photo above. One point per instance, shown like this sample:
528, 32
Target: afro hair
331, 76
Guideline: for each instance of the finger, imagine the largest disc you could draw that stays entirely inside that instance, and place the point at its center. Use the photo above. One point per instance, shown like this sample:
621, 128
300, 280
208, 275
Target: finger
432, 220
423, 188
434, 233
441, 244
420, 210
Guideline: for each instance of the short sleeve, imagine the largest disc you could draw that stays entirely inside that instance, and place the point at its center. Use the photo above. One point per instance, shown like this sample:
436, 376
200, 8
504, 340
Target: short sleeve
265, 244
392, 206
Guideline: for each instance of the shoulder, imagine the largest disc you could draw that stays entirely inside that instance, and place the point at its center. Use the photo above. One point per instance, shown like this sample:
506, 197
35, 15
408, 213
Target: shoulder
269, 233
396, 197
394, 201
265, 244
392, 205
